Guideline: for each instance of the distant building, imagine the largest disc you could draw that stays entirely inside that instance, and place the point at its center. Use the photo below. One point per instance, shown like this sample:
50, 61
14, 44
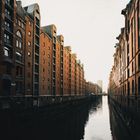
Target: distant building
100, 84
92, 88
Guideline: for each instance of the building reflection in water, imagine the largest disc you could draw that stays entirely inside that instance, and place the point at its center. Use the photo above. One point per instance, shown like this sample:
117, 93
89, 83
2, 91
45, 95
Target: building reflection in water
70, 125
118, 128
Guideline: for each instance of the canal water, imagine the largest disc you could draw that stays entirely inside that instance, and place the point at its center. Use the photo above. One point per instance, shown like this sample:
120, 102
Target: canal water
89, 121
98, 125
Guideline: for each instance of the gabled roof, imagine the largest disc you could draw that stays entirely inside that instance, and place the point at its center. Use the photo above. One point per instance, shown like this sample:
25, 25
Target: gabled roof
31, 8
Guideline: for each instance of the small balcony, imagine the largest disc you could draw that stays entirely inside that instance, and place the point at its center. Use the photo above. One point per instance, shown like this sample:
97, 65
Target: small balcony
8, 4
9, 29
37, 40
9, 17
37, 31
37, 22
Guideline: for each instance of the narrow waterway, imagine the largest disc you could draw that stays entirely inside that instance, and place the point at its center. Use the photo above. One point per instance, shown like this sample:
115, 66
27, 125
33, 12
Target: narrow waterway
98, 125
96, 120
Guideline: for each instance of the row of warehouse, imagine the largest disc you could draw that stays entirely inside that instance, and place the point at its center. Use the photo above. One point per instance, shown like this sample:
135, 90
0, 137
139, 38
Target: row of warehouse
125, 75
33, 59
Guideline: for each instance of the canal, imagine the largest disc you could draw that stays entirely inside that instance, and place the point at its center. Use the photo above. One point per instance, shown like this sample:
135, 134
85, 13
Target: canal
98, 125
89, 121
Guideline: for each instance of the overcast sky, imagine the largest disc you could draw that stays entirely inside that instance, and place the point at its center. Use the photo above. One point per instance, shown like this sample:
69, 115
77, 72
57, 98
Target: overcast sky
90, 27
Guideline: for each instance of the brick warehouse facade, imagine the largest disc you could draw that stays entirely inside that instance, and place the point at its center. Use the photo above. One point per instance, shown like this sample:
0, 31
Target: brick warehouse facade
33, 59
125, 75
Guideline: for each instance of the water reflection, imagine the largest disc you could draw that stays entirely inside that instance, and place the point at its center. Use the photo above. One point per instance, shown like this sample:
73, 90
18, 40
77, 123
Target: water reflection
119, 130
98, 127
92, 121
68, 125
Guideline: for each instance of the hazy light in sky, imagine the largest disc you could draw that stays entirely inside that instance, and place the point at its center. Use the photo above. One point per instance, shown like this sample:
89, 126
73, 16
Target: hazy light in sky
90, 27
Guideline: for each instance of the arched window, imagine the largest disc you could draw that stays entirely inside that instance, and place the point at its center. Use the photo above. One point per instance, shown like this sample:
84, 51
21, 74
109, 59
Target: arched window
18, 33
19, 39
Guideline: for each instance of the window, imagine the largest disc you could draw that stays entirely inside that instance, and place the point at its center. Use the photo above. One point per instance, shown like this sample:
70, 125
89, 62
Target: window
22, 25
127, 60
7, 38
132, 67
128, 48
6, 51
29, 23
139, 86
37, 31
7, 25
29, 43
18, 56
36, 59
18, 33
139, 61
37, 40
29, 33
7, 1
133, 90
18, 44
132, 35
7, 13
36, 78
29, 54
128, 73
37, 21
43, 79
36, 69
139, 30
19, 23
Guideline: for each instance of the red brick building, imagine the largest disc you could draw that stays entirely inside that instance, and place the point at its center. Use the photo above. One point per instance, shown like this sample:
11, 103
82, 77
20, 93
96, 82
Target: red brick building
7, 48
34, 61
60, 39
45, 64
125, 75
33, 12
66, 70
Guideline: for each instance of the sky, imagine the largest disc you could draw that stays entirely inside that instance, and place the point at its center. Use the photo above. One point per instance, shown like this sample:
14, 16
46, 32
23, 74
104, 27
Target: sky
90, 27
